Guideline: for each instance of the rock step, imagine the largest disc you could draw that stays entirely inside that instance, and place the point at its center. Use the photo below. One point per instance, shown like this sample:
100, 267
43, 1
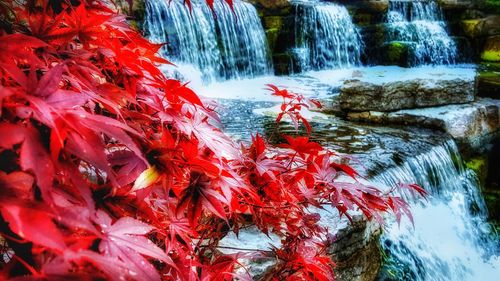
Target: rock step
473, 125
356, 95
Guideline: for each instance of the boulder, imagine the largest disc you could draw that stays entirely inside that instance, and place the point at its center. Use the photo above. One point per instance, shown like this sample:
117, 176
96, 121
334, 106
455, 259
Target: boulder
356, 95
470, 27
490, 26
473, 125
483, 27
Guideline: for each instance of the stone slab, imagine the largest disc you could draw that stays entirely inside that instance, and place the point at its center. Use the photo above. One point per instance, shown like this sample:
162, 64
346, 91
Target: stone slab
472, 125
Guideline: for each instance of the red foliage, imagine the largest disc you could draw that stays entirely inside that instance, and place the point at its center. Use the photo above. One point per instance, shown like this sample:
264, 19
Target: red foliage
110, 170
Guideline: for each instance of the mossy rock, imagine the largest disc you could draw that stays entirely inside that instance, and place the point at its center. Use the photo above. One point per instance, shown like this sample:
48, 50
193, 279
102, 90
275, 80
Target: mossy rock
488, 84
469, 27
492, 6
492, 199
491, 50
491, 55
273, 22
396, 53
272, 35
479, 165
362, 19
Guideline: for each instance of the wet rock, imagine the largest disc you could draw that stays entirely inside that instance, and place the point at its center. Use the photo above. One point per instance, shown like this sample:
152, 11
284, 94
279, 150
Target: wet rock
478, 164
356, 95
472, 125
284, 63
397, 53
355, 252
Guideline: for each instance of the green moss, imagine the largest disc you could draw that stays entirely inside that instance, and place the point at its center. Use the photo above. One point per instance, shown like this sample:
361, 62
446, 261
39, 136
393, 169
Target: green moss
490, 55
272, 36
492, 200
491, 76
397, 53
139, 10
362, 19
492, 6
273, 22
479, 165
489, 66
488, 81
491, 50
469, 27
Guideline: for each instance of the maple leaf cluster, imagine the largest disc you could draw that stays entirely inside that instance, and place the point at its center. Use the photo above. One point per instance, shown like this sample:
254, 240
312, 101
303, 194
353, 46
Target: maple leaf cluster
109, 170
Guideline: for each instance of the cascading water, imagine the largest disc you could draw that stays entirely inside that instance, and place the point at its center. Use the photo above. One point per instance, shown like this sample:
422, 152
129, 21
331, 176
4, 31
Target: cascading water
325, 37
451, 238
231, 45
420, 25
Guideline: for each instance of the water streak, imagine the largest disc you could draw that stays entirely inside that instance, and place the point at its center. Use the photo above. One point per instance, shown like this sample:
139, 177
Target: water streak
231, 46
325, 37
451, 238
420, 25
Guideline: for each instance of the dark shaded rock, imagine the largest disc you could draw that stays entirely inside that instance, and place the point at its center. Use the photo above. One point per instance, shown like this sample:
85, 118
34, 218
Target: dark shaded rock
491, 191
375, 37
489, 26
356, 95
284, 63
492, 6
396, 53
488, 80
483, 27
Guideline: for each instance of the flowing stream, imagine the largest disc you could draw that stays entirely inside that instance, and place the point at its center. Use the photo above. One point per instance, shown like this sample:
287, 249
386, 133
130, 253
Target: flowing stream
420, 26
325, 37
451, 238
231, 46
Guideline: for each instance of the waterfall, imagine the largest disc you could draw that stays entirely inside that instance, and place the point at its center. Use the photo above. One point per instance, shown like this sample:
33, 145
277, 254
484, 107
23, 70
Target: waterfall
451, 238
420, 24
231, 45
325, 37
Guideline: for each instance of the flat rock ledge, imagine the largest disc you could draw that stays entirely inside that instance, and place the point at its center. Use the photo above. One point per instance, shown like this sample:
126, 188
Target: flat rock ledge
474, 125
361, 96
